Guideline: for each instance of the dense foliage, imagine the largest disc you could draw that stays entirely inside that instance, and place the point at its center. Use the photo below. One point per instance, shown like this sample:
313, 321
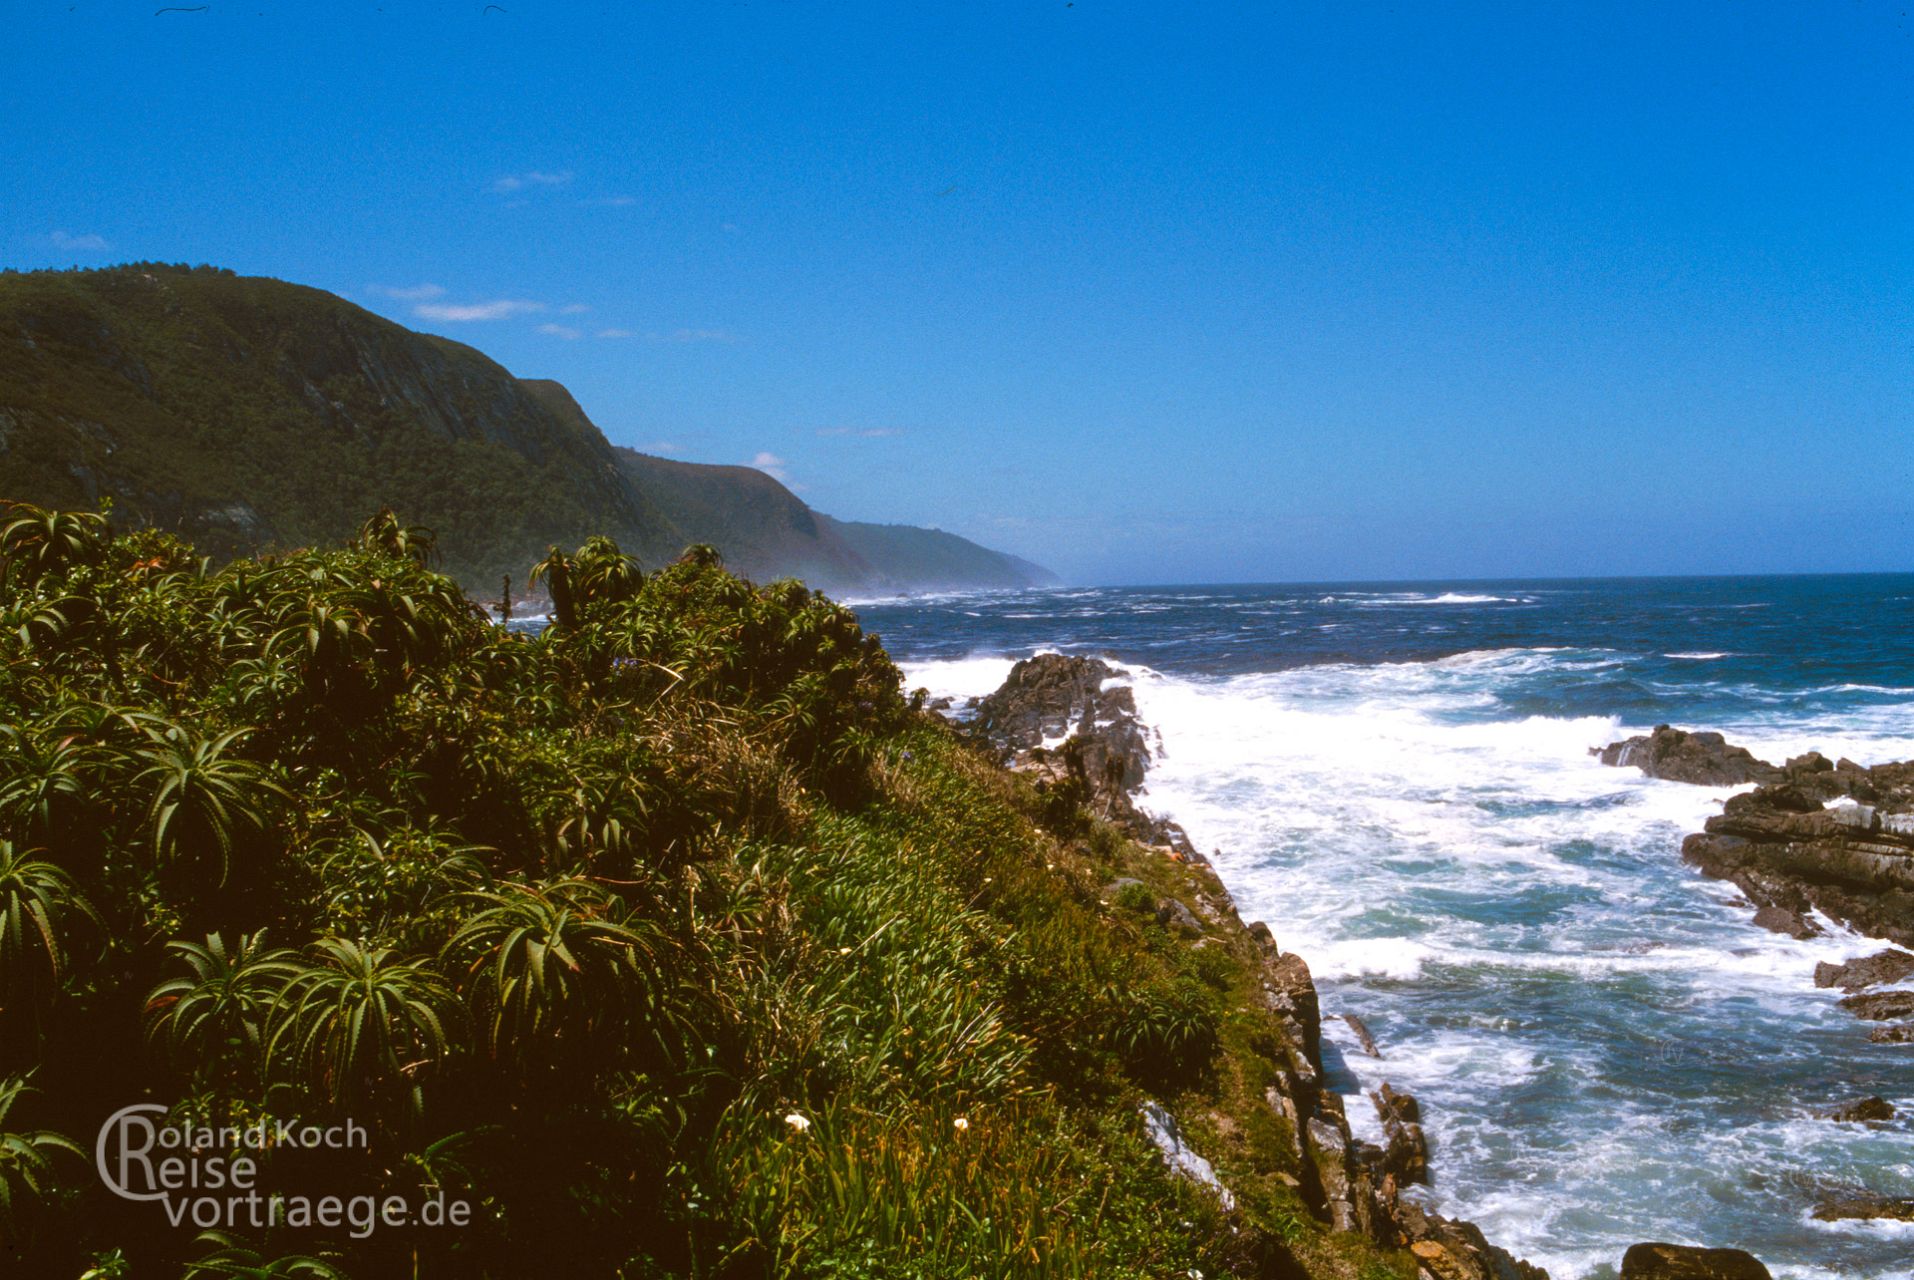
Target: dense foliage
671, 938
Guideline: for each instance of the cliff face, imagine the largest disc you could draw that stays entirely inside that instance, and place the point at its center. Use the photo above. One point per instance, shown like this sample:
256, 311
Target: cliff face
252, 414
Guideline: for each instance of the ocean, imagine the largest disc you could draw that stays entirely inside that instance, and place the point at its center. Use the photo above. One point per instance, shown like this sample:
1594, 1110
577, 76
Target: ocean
1396, 778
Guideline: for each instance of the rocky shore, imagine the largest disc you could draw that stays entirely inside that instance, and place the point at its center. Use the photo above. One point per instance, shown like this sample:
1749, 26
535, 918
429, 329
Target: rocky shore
1060, 720
1063, 721
1814, 837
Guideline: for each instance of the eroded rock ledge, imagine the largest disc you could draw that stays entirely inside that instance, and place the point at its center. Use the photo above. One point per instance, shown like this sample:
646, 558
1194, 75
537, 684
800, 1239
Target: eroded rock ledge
1814, 835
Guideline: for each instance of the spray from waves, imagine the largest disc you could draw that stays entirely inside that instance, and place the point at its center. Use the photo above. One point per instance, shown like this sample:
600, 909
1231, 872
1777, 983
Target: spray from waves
1607, 1049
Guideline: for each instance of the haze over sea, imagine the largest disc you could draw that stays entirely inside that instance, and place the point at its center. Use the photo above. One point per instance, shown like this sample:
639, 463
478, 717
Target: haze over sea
1397, 779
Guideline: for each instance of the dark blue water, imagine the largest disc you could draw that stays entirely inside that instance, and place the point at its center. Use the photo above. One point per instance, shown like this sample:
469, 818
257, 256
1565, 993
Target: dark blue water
1396, 777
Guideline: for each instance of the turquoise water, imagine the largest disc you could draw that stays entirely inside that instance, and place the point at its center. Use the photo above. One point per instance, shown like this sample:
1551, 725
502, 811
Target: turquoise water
1396, 778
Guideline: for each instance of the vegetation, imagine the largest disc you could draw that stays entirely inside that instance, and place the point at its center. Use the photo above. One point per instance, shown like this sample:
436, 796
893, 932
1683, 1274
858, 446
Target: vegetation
251, 415
671, 939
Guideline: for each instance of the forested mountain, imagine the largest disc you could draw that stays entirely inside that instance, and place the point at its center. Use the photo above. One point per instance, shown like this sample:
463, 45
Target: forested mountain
252, 414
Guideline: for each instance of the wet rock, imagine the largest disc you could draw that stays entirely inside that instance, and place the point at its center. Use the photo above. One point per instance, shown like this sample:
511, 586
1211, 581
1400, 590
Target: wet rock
1703, 758
1881, 1006
1794, 853
1406, 1155
1782, 920
1449, 1250
1876, 970
1363, 1038
1686, 1262
1900, 1033
1863, 1109
1866, 1209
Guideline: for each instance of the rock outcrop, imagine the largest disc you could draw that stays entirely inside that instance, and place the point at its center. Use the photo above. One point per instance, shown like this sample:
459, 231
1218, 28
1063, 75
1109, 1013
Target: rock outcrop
1058, 716
1350, 1185
1686, 1262
1703, 758
1876, 970
1834, 838
1162, 1129
1866, 1209
1814, 836
1863, 1111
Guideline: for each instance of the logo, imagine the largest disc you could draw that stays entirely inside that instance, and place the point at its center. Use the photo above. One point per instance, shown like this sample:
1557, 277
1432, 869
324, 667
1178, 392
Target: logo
209, 1177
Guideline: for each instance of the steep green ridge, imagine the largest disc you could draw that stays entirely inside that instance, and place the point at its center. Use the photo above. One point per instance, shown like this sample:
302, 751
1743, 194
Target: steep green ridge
673, 941
252, 414
932, 559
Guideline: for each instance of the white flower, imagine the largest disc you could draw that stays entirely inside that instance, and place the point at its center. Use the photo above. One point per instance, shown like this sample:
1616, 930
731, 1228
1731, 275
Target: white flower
960, 1124
797, 1122
844, 951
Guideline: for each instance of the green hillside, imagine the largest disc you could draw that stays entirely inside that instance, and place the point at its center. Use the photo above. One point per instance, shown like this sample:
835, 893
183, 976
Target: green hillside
671, 942
251, 414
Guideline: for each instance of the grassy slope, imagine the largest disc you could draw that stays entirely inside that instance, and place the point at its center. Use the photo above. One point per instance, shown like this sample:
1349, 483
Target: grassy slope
854, 918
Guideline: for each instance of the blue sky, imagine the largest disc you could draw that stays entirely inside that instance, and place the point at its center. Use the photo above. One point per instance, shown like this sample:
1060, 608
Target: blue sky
1146, 292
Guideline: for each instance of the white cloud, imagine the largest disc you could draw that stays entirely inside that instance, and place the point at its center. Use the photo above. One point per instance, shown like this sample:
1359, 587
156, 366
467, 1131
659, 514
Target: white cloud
410, 293
661, 446
79, 244
615, 333
770, 464
534, 178
460, 312
862, 433
564, 331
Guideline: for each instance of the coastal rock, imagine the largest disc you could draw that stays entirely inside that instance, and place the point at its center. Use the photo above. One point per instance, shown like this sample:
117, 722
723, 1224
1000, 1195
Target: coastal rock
1782, 920
1449, 1250
1363, 1038
1833, 838
1881, 1006
1340, 1175
1290, 992
1406, 1155
1686, 1262
1175, 915
1054, 718
1703, 758
1876, 970
1162, 1128
1866, 1209
1900, 1033
1058, 717
1862, 1110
